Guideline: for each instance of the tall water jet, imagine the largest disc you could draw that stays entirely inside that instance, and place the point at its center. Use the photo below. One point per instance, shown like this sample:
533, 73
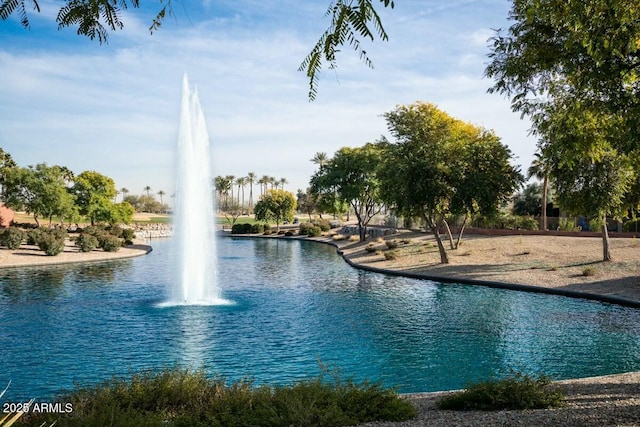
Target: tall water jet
194, 222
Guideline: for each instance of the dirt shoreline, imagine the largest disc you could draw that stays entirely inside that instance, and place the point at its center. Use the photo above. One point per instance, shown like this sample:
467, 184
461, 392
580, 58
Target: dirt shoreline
31, 256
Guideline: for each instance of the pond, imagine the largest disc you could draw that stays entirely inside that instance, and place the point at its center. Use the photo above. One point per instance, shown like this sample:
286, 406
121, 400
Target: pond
295, 303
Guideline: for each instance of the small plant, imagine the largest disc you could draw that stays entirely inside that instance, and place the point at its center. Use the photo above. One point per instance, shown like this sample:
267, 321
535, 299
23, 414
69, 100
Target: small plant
354, 238
289, 233
391, 255
370, 248
12, 237
109, 243
392, 244
405, 241
86, 242
339, 237
178, 397
634, 243
567, 224
51, 241
588, 271
128, 235
314, 231
33, 236
517, 391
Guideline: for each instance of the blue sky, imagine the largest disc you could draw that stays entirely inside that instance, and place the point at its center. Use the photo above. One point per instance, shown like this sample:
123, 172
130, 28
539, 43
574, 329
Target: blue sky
115, 108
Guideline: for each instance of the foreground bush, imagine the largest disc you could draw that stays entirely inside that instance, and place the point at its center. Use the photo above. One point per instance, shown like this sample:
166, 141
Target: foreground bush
518, 391
51, 241
178, 397
86, 242
12, 237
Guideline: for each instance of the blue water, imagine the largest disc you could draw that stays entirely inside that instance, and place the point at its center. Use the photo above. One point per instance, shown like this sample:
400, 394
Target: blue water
295, 303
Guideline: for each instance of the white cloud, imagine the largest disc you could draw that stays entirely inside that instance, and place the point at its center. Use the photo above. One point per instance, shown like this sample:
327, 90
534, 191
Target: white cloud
115, 108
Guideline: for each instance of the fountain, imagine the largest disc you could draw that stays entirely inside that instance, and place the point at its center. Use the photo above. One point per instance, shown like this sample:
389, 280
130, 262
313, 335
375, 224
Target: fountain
194, 223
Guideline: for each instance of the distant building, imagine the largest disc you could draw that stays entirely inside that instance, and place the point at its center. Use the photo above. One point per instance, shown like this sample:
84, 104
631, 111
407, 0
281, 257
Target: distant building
6, 216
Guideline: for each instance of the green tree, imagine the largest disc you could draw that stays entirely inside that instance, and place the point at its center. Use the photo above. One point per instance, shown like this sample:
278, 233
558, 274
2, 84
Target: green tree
39, 190
276, 205
121, 213
574, 68
440, 166
483, 177
6, 163
528, 201
147, 189
351, 177
590, 175
94, 194
124, 192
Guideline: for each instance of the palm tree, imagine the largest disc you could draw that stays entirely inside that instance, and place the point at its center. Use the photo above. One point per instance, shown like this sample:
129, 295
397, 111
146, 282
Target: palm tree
264, 181
241, 183
147, 189
540, 168
161, 193
283, 181
231, 179
321, 159
251, 179
273, 182
124, 192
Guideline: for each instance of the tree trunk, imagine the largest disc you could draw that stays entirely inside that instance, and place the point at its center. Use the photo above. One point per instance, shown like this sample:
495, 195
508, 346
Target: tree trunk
543, 214
363, 232
446, 224
444, 258
464, 223
606, 252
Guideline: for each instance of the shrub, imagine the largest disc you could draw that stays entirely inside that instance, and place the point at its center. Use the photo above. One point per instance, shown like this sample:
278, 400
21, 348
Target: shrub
12, 237
241, 229
179, 397
567, 224
392, 244
51, 241
115, 230
517, 391
589, 271
267, 231
257, 228
289, 233
370, 248
128, 235
33, 236
390, 255
322, 223
86, 242
304, 227
314, 231
109, 242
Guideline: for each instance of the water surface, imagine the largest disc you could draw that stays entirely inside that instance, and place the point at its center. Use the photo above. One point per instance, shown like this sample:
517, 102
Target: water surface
295, 303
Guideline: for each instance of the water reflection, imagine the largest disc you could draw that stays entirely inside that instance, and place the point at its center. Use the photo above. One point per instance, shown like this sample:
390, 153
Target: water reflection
296, 302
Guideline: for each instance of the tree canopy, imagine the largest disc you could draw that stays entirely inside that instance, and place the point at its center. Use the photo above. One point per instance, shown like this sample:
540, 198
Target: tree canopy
351, 177
440, 166
574, 68
351, 21
276, 205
